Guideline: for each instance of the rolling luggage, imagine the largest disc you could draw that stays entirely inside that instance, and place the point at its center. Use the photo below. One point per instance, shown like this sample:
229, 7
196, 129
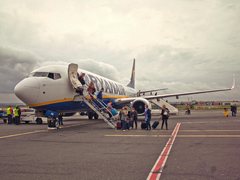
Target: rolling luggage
114, 112
119, 125
155, 124
127, 125
131, 123
144, 125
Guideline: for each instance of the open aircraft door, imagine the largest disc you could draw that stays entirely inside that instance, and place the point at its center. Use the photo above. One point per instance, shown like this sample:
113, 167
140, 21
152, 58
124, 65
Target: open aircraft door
72, 75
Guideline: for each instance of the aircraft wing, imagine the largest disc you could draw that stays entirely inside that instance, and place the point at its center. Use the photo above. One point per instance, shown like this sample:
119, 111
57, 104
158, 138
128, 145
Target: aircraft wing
127, 100
141, 92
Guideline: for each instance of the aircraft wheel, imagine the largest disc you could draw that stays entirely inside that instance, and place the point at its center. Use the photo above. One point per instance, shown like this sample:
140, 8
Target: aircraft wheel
39, 121
90, 115
26, 122
95, 116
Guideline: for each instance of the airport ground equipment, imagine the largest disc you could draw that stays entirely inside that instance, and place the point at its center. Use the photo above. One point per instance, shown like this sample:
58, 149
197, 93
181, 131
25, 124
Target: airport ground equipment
159, 102
226, 112
99, 107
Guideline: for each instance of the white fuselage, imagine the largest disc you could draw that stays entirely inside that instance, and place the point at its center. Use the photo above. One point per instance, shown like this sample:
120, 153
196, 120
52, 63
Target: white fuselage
49, 88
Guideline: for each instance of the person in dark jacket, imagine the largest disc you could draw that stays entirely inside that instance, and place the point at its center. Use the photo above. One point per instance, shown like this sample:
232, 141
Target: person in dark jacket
233, 109
134, 117
81, 79
164, 115
147, 113
99, 94
60, 118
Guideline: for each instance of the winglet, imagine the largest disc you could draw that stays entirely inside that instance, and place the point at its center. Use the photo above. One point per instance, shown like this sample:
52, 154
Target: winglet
233, 82
132, 81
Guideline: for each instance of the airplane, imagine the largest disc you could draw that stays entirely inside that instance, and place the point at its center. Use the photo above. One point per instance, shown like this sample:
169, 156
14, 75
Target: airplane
54, 88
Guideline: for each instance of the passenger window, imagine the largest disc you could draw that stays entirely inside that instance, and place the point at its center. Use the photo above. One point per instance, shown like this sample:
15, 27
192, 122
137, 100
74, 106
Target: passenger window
57, 76
50, 75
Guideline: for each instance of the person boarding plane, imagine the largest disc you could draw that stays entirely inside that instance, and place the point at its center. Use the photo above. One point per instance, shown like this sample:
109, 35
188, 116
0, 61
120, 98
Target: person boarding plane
56, 88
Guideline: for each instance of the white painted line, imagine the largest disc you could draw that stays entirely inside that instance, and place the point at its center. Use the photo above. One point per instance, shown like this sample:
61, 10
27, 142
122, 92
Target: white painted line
157, 169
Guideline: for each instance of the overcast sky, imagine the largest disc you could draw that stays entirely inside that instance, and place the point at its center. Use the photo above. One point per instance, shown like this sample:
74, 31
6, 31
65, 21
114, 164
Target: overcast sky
182, 45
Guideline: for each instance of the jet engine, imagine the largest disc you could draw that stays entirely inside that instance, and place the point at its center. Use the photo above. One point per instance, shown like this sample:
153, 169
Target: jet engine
139, 105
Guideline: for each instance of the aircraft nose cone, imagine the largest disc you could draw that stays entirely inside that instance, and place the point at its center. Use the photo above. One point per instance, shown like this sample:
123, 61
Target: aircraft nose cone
27, 90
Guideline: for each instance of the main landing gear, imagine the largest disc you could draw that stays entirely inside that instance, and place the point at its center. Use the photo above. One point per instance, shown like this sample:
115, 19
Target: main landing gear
92, 114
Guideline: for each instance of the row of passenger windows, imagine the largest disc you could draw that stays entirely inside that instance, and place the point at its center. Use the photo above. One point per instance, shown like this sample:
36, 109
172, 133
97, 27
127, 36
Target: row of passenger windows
45, 74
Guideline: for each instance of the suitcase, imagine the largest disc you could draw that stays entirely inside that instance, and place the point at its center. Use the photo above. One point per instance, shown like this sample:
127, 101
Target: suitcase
114, 112
144, 125
119, 125
155, 124
127, 125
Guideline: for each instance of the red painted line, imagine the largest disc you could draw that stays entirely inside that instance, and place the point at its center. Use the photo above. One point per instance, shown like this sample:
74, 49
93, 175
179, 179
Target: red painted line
159, 165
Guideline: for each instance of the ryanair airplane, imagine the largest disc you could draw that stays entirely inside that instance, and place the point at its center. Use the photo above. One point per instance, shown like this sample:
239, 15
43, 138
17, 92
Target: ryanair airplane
54, 88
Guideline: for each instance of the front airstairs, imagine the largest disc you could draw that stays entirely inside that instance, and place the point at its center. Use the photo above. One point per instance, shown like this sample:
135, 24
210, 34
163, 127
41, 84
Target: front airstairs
97, 106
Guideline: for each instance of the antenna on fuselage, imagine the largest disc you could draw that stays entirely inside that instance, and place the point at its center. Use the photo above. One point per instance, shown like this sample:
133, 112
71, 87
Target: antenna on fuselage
132, 80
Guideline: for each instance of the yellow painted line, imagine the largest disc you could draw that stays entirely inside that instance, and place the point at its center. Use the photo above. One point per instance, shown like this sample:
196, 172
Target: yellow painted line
210, 136
61, 127
208, 130
131, 135
196, 136
37, 131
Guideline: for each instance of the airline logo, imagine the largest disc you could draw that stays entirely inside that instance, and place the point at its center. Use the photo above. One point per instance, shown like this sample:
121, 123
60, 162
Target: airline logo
109, 87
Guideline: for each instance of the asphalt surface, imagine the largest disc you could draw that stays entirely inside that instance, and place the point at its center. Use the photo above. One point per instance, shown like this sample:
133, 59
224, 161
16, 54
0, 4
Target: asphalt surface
206, 147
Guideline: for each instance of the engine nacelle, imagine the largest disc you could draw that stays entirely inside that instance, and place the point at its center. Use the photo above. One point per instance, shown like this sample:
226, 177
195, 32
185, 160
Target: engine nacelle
139, 105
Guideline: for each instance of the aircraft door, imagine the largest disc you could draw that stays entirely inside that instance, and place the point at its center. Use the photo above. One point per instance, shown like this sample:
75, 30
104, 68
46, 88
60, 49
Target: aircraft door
72, 75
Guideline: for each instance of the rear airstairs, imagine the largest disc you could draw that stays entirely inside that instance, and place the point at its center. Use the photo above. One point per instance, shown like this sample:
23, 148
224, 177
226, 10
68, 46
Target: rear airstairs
159, 102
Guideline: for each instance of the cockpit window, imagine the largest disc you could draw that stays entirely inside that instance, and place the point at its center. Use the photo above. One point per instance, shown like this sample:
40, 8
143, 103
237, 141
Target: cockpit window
45, 74
57, 76
38, 74
50, 75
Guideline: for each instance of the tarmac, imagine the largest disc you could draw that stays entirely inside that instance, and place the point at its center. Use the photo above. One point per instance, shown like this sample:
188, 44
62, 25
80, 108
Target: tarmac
203, 145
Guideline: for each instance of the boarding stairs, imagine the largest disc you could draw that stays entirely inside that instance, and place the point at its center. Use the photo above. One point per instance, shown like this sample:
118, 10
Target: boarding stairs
159, 102
98, 107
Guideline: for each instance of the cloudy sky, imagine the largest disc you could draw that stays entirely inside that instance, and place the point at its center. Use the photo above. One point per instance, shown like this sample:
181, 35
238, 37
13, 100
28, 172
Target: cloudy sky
182, 45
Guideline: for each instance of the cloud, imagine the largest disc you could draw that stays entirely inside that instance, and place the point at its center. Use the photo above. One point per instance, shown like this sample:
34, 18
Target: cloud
15, 65
184, 47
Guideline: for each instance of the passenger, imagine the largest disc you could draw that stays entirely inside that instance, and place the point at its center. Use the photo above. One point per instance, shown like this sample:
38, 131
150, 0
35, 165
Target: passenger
109, 108
60, 118
91, 90
9, 114
147, 113
134, 117
17, 115
124, 117
99, 94
233, 109
81, 79
188, 110
164, 115
99, 98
